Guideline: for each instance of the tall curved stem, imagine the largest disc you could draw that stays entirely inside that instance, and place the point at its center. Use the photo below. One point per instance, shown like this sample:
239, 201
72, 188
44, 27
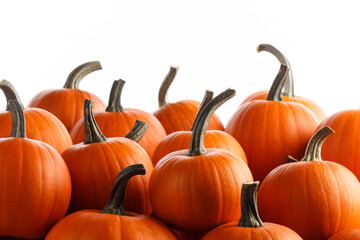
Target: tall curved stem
166, 84
80, 72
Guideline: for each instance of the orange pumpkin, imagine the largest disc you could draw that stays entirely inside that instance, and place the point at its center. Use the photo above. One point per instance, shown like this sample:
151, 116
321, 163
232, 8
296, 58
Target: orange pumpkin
94, 164
353, 234
117, 121
40, 124
268, 130
288, 94
35, 185
112, 223
315, 198
250, 226
213, 139
342, 147
179, 116
187, 187
66, 103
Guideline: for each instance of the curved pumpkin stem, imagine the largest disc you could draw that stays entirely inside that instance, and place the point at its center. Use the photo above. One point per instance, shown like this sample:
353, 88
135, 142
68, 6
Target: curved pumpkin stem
166, 84
249, 212
80, 72
115, 97
137, 131
92, 130
313, 149
208, 96
275, 90
18, 119
197, 138
116, 200
10, 93
289, 83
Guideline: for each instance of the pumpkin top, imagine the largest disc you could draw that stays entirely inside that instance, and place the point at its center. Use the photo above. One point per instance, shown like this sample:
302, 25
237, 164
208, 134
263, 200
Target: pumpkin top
276, 87
162, 97
207, 98
115, 97
289, 83
116, 200
313, 149
80, 72
18, 119
249, 211
197, 138
10, 93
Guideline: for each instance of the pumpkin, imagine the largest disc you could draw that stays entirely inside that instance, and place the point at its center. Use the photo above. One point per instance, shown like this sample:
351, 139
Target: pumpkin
250, 226
269, 130
288, 94
66, 103
179, 116
94, 164
342, 147
40, 124
35, 183
213, 139
353, 234
315, 198
187, 187
112, 223
117, 121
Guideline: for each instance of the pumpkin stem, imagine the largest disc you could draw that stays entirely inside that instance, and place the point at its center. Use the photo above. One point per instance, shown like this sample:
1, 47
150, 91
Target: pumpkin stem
18, 119
116, 200
115, 97
275, 90
137, 131
289, 83
290, 159
249, 212
208, 96
313, 149
92, 130
10, 93
197, 138
166, 84
80, 72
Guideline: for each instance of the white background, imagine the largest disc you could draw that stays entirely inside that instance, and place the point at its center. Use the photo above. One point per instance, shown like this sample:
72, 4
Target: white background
213, 43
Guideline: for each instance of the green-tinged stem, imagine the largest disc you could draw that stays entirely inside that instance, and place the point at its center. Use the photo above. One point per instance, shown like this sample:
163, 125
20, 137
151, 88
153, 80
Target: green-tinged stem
116, 200
249, 212
275, 90
207, 98
166, 84
313, 149
197, 138
18, 119
80, 72
137, 131
92, 130
115, 97
289, 83
10, 93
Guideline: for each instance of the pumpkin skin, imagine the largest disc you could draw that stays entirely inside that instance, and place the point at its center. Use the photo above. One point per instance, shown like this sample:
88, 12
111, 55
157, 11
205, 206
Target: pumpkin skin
186, 187
66, 103
35, 186
324, 196
269, 231
112, 223
342, 146
117, 123
213, 139
40, 124
94, 165
270, 130
353, 234
179, 116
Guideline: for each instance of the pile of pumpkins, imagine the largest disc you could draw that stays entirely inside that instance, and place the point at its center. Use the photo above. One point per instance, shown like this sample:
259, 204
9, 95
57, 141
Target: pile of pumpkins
73, 168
